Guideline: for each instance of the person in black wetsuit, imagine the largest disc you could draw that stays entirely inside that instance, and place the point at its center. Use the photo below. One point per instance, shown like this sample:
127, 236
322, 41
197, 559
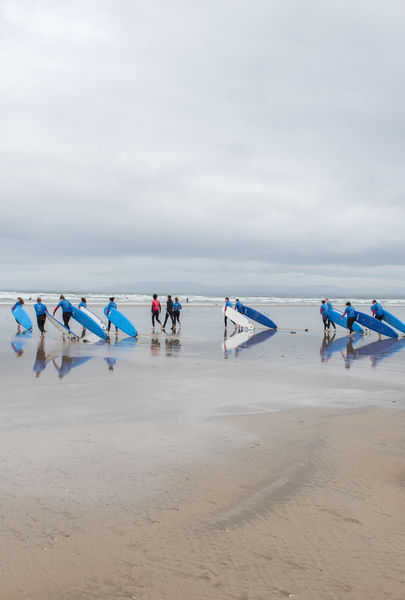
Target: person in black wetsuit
169, 312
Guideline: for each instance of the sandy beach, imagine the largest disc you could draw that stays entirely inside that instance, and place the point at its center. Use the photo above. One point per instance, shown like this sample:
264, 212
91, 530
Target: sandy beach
193, 471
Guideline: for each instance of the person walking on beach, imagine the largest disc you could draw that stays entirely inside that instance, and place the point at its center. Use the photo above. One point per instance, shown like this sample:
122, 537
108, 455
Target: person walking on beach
330, 307
169, 312
83, 303
377, 310
111, 305
227, 303
40, 311
19, 302
66, 310
155, 310
238, 305
350, 311
324, 310
176, 313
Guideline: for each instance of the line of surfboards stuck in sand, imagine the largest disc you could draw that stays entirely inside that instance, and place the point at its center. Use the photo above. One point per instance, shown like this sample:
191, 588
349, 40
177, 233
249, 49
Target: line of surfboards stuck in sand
243, 317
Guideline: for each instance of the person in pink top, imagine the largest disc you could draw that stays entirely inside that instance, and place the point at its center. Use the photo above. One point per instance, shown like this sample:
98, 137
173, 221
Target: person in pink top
156, 308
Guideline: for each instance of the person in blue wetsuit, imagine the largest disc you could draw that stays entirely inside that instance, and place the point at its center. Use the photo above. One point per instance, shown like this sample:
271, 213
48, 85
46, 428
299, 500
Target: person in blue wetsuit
350, 311
176, 312
324, 310
377, 310
40, 311
111, 305
83, 303
238, 305
66, 310
227, 303
330, 307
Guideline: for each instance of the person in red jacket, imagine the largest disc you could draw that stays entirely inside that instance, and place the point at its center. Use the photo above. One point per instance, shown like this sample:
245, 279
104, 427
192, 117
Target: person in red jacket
156, 308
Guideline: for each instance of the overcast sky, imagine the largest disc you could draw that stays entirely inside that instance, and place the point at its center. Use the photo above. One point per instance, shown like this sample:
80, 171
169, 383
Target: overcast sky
213, 141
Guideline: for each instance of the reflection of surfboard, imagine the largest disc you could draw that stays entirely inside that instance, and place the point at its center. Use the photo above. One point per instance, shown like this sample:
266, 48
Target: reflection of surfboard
237, 318
393, 321
88, 323
375, 324
336, 317
60, 327
22, 317
260, 337
339, 345
93, 316
378, 349
236, 340
119, 320
258, 317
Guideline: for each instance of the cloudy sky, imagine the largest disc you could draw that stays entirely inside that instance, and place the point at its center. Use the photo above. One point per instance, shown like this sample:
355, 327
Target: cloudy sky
212, 141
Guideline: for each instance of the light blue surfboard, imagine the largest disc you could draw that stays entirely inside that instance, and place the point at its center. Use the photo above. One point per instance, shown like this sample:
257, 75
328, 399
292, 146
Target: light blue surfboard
336, 317
88, 323
22, 317
259, 317
393, 321
119, 320
375, 324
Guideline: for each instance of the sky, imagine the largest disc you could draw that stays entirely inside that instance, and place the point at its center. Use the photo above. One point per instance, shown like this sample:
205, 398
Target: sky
220, 142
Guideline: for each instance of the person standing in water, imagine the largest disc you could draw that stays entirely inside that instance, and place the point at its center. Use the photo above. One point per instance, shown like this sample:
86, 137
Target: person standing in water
155, 310
377, 310
227, 303
324, 310
350, 311
176, 312
111, 305
169, 312
40, 311
330, 307
66, 310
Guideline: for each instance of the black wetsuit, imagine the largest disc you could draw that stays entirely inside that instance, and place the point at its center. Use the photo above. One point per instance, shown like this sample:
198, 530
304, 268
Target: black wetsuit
169, 313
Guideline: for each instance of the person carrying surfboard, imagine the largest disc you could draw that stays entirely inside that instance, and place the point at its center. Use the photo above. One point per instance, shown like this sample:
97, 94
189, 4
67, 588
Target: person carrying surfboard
377, 310
66, 310
324, 310
110, 305
350, 311
238, 305
330, 307
155, 310
40, 311
227, 303
19, 302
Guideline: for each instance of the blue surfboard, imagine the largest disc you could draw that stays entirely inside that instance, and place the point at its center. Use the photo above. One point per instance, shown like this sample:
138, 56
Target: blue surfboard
393, 321
22, 317
88, 323
375, 324
339, 344
120, 321
336, 317
259, 317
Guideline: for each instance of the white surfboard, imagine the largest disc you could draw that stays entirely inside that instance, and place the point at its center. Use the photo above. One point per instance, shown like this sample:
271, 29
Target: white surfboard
60, 327
93, 316
237, 317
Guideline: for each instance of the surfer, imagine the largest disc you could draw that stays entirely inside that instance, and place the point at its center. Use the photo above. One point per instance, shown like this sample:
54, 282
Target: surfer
83, 303
19, 302
238, 305
169, 312
377, 310
324, 310
330, 307
227, 303
111, 305
176, 312
66, 310
155, 310
40, 311
350, 311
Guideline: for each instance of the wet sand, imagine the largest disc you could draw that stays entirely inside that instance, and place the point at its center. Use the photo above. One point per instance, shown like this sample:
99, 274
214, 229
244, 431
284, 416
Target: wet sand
187, 473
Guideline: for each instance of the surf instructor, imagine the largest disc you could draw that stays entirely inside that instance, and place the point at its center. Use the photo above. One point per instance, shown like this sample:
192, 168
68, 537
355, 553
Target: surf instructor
66, 310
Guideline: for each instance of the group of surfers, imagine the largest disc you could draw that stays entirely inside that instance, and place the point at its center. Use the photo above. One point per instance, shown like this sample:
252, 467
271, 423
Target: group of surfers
172, 311
350, 312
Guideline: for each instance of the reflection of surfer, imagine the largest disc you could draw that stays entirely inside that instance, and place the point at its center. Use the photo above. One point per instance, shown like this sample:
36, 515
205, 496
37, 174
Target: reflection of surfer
40, 359
325, 351
18, 348
110, 362
155, 346
172, 346
351, 354
65, 366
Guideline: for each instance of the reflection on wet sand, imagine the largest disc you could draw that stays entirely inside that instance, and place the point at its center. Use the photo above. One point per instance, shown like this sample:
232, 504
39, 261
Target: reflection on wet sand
376, 351
21, 338
240, 340
331, 344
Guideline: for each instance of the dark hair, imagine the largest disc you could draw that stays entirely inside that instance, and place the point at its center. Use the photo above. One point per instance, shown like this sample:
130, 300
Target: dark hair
176, 299
323, 302
112, 298
348, 304
61, 297
154, 296
226, 298
20, 299
374, 302
39, 299
169, 296
237, 299
84, 300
